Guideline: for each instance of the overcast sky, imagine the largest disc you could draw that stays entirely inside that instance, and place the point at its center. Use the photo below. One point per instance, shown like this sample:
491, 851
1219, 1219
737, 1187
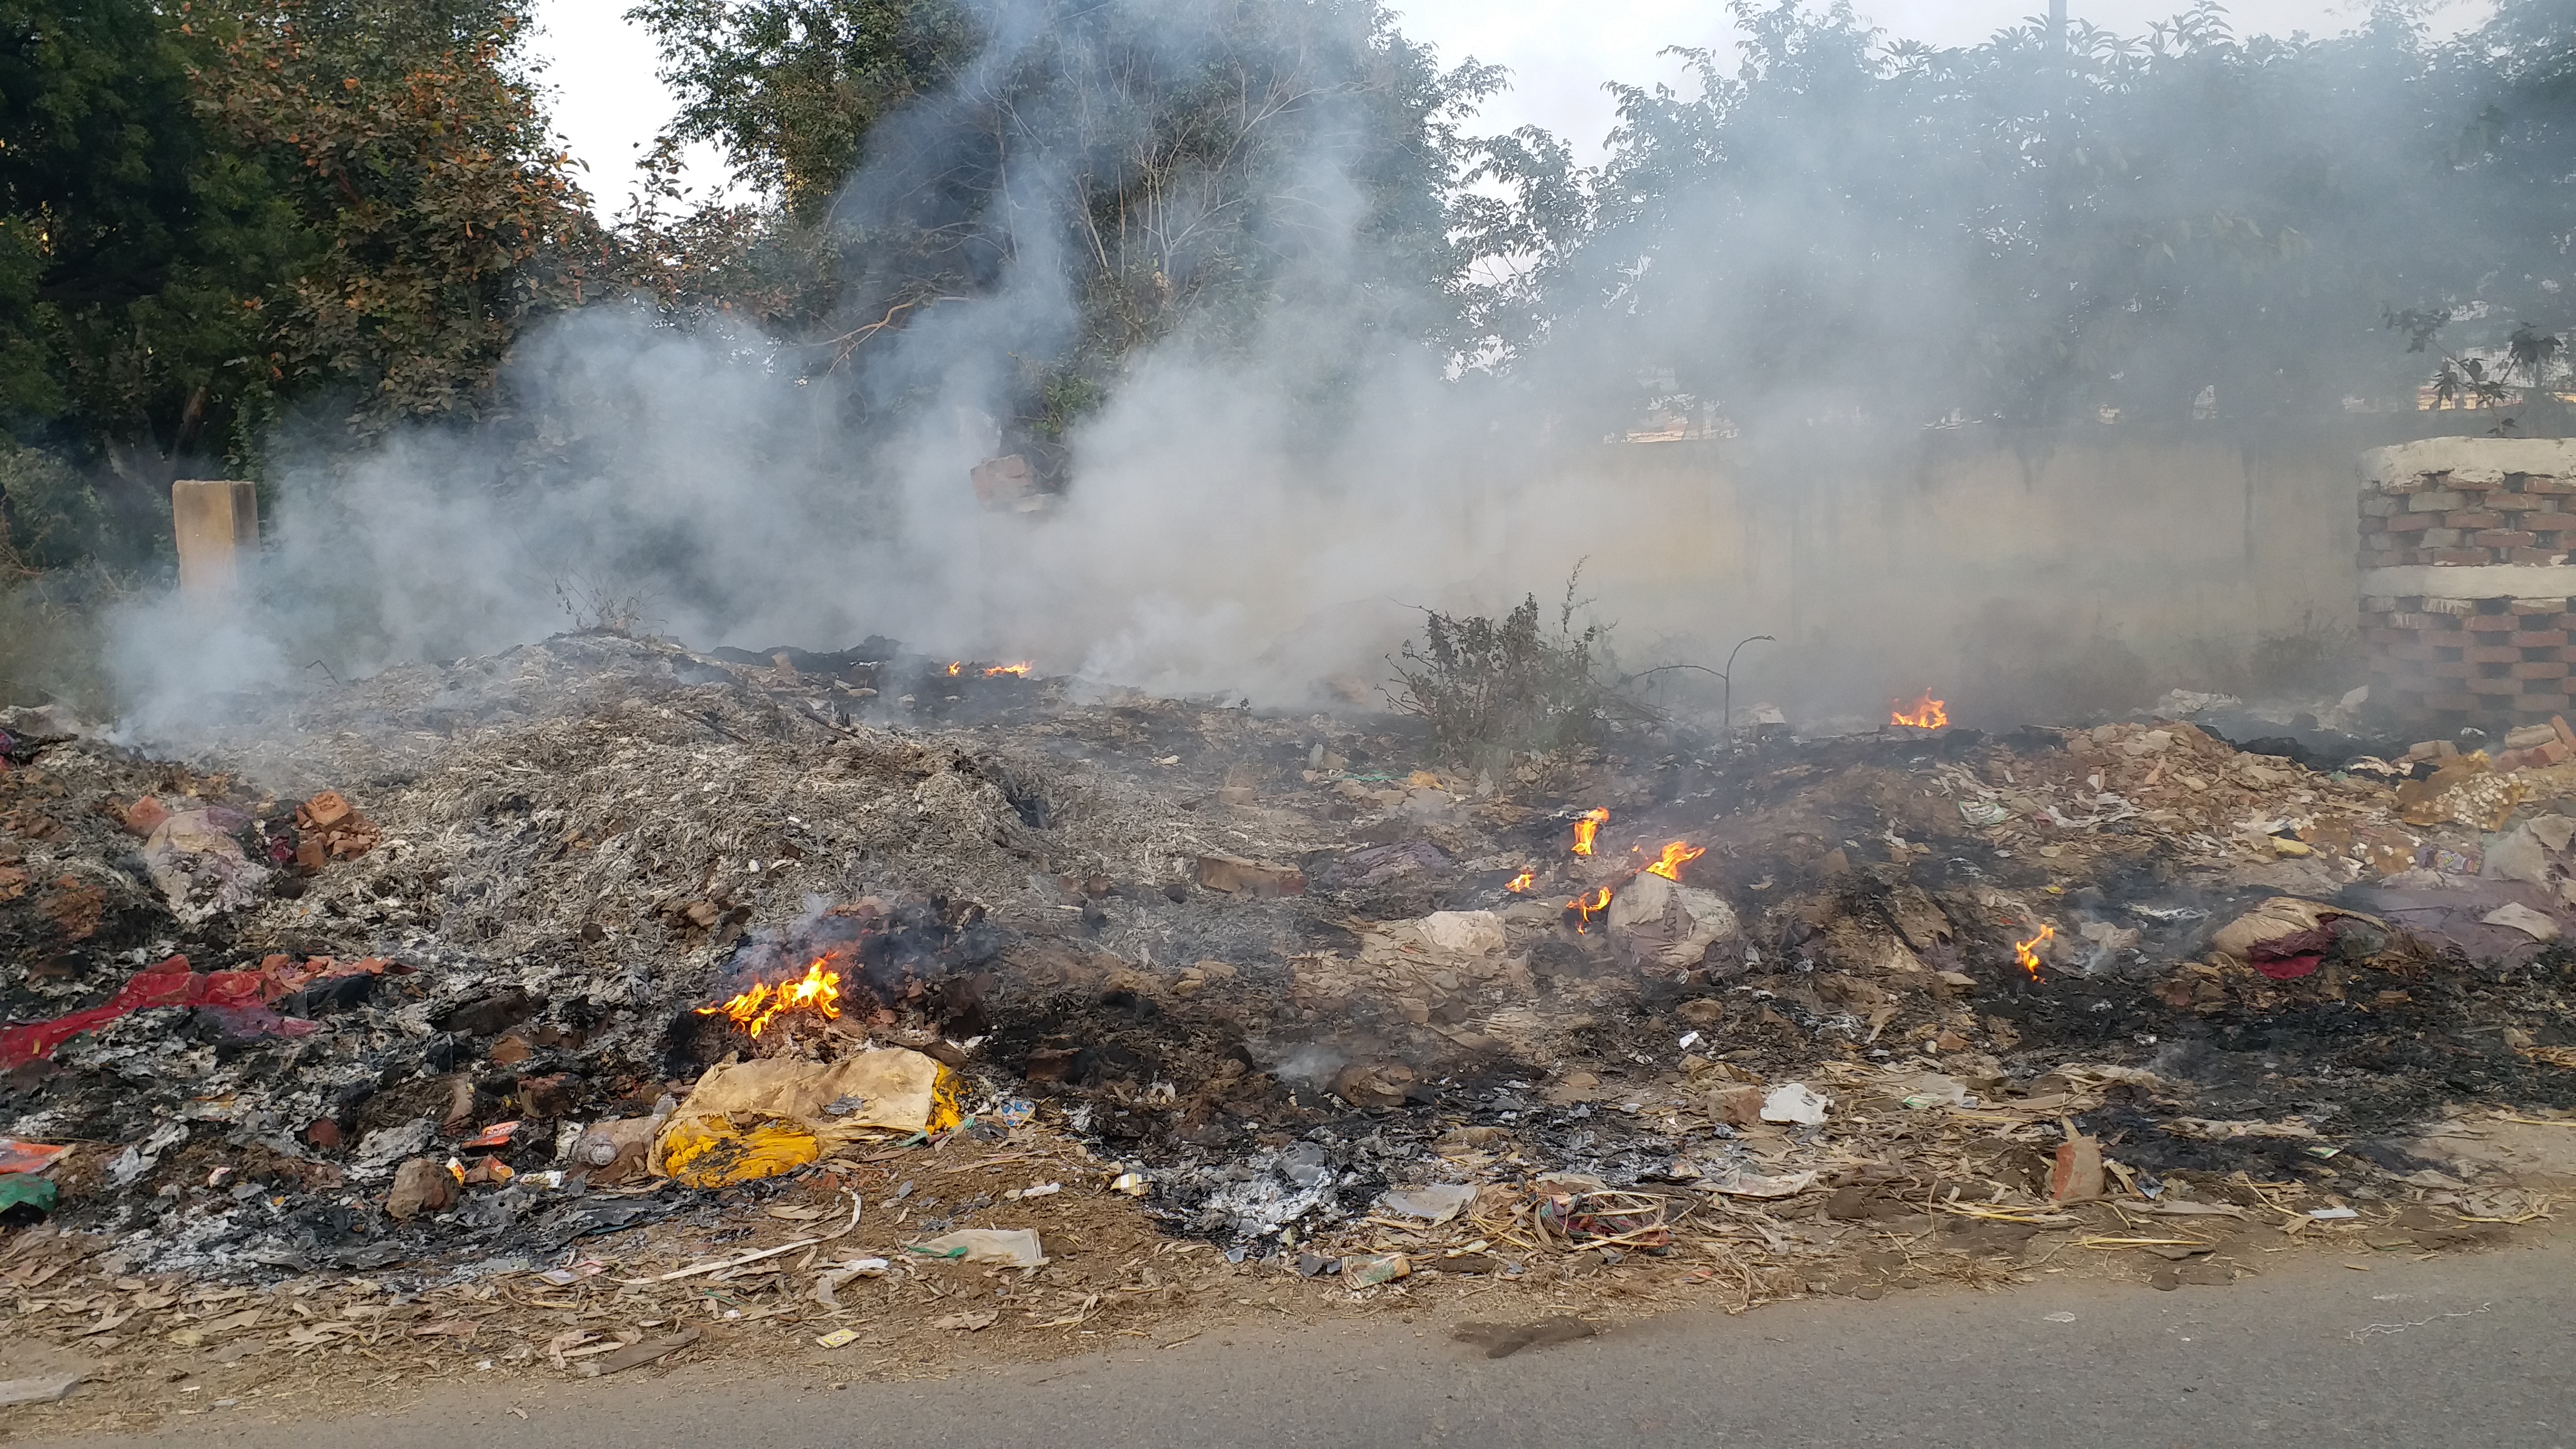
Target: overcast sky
608, 100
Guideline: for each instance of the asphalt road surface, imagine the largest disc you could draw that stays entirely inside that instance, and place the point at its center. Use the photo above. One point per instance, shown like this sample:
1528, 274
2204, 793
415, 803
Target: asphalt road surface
2471, 1350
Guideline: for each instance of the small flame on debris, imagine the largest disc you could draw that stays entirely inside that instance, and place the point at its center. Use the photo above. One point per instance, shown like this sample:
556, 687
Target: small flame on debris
817, 990
2029, 958
1677, 853
1020, 669
1521, 882
1591, 905
1588, 826
956, 668
1924, 713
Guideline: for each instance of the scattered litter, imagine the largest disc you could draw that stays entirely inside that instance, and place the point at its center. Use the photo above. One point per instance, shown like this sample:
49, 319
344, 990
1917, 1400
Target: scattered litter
2519, 917
636, 1355
1011, 1248
17, 1156
1794, 1102
1435, 1204
1368, 1270
1758, 1185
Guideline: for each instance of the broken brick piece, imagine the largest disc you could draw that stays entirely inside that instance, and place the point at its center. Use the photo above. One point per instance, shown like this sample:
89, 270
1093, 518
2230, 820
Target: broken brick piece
2077, 1175
145, 816
548, 1096
324, 810
1235, 875
421, 1185
1736, 1106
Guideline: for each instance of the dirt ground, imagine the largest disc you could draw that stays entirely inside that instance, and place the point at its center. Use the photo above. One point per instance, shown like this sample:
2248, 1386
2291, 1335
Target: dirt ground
319, 1345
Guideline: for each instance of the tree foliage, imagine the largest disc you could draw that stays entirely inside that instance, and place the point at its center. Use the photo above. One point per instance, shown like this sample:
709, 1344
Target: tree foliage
216, 211
2168, 225
444, 216
1127, 173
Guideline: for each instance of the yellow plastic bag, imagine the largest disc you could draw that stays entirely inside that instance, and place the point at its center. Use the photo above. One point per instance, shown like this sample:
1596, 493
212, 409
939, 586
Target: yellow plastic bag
750, 1119
713, 1152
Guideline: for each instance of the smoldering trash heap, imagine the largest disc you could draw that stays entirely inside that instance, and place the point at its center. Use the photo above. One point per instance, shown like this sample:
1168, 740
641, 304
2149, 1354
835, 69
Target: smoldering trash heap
744, 990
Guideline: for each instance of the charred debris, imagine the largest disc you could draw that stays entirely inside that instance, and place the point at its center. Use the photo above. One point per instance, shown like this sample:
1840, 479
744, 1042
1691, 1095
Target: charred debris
1278, 976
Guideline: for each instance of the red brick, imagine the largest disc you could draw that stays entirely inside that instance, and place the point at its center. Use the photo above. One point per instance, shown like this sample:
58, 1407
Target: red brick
2429, 623
2549, 522
2540, 669
2474, 519
2451, 669
2495, 686
2412, 522
2542, 556
2539, 639
2535, 484
2537, 606
2502, 538
2492, 654
2554, 751
2492, 623
2469, 556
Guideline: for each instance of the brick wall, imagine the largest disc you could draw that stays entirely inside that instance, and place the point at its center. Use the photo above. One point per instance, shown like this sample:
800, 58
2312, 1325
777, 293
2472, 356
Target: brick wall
2465, 581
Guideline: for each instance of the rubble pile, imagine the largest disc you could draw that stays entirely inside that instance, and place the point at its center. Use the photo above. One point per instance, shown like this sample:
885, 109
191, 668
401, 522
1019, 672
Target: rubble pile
564, 974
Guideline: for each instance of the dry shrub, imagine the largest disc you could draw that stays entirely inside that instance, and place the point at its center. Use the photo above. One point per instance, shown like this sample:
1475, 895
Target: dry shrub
1492, 690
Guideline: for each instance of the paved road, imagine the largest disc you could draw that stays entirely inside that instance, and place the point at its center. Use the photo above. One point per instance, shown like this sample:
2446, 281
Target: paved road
2471, 1351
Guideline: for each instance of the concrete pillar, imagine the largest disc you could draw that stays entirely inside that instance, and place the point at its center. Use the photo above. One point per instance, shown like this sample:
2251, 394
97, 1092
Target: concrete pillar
217, 523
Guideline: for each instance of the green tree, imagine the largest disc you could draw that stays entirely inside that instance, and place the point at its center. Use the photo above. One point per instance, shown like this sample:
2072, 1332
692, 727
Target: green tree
2174, 225
132, 250
1140, 170
418, 157
217, 212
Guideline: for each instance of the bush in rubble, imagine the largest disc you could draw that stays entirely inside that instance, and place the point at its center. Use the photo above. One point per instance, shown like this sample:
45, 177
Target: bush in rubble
597, 606
1494, 689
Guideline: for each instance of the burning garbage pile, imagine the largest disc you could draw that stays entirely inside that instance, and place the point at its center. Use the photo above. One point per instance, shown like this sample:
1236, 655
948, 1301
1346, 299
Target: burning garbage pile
605, 952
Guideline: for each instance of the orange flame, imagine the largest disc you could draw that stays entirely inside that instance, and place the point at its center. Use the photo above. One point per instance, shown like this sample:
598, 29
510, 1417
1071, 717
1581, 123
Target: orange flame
1591, 905
817, 990
1521, 882
956, 668
1677, 854
2029, 958
1925, 713
1588, 826
1021, 669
